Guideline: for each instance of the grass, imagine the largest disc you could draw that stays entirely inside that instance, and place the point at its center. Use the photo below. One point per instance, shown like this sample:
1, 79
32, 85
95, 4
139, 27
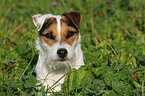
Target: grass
113, 43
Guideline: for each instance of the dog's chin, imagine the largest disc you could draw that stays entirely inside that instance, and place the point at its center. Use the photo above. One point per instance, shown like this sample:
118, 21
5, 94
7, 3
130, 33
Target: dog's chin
62, 59
60, 63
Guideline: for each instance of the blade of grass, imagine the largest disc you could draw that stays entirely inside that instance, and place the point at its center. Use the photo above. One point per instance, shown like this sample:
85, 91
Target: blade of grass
92, 16
27, 66
17, 28
2, 79
64, 5
57, 81
143, 88
1, 6
112, 49
15, 84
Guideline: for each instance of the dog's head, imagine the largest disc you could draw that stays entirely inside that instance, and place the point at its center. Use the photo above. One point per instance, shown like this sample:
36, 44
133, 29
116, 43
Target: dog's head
58, 35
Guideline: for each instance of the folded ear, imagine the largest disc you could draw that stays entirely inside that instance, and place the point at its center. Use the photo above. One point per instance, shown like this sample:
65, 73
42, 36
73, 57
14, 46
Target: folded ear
40, 19
75, 17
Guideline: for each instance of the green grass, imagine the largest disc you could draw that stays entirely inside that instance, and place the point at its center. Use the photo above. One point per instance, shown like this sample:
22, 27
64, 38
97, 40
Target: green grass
113, 43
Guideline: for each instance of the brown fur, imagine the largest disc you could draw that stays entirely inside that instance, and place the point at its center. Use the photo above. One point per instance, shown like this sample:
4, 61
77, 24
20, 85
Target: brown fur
64, 32
52, 28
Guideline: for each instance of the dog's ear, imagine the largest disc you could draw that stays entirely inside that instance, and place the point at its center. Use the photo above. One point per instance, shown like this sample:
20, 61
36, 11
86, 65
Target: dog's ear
75, 17
40, 19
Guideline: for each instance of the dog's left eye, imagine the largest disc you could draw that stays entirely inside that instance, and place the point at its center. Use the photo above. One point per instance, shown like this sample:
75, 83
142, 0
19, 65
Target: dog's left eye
70, 34
49, 35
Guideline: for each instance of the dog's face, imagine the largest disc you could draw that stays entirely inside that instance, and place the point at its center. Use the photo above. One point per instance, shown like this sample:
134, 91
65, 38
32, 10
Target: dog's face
59, 36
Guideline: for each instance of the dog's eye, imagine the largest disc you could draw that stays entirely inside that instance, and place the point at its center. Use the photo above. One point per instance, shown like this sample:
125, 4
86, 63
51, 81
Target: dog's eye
49, 35
70, 34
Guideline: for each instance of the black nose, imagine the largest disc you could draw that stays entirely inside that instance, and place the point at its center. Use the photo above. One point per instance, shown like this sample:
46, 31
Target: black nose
62, 52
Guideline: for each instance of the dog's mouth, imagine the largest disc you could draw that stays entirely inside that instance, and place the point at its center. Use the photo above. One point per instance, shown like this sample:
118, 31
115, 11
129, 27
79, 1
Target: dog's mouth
62, 59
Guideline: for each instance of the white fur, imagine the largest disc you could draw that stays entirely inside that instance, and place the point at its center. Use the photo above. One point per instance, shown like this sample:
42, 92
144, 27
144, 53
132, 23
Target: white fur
58, 18
49, 69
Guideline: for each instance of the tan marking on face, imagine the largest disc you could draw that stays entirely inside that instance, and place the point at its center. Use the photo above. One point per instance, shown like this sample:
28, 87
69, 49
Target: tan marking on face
64, 32
52, 28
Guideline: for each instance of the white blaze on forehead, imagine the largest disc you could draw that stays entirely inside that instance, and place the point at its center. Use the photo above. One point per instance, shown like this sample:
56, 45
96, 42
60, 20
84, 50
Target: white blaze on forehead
58, 18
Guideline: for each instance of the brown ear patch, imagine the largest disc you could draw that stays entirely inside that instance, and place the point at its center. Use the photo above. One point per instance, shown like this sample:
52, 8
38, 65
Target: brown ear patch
72, 17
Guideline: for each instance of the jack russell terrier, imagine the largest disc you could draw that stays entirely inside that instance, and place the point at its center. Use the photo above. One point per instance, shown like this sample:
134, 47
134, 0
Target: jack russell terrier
59, 47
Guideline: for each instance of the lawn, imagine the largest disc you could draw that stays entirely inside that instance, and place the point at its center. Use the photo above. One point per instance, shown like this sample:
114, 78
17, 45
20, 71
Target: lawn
113, 43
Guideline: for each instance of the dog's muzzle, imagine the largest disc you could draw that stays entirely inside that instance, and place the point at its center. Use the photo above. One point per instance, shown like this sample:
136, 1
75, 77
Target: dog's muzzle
62, 53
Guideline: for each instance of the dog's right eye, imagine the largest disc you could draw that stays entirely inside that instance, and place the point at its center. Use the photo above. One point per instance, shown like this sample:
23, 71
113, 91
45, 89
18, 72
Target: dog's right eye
70, 34
49, 35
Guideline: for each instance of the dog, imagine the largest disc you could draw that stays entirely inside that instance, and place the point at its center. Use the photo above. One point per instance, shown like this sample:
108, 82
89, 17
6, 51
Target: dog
59, 47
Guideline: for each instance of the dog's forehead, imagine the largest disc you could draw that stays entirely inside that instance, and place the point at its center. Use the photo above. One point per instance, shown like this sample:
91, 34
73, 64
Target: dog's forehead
58, 26
58, 19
